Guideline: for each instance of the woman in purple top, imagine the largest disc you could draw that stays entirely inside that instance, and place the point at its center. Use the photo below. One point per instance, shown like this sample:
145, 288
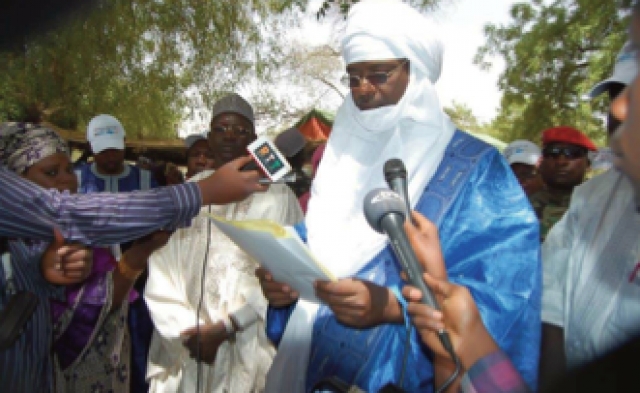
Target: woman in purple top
90, 338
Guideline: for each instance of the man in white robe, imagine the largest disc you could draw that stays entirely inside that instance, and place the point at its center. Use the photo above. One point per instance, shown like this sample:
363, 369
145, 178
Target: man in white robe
234, 350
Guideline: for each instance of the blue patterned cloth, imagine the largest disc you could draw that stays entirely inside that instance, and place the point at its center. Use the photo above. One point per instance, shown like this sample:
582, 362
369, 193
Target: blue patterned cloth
490, 240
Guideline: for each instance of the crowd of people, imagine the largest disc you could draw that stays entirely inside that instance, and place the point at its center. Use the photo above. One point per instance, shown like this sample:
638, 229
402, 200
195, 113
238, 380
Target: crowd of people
534, 268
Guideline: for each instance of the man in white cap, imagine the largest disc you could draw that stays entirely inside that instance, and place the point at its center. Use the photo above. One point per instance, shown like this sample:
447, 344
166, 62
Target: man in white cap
110, 173
199, 155
523, 157
358, 336
590, 292
201, 275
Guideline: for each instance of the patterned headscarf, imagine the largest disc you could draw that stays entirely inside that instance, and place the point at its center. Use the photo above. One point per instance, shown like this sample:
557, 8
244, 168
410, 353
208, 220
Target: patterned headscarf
24, 144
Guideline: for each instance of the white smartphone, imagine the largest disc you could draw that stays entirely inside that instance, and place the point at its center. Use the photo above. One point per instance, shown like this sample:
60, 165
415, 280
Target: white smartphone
269, 158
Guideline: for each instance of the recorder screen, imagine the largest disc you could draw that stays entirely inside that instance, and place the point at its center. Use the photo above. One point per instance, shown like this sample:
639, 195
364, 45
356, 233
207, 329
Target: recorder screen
268, 158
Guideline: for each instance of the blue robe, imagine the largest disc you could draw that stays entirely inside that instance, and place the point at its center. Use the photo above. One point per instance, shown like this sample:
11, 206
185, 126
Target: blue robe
139, 319
490, 241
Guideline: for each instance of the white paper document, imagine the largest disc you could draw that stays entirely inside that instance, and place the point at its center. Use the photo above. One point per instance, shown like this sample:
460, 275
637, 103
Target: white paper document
279, 250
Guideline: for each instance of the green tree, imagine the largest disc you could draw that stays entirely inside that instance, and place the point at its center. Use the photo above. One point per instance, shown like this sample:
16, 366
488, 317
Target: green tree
135, 59
330, 7
463, 117
554, 51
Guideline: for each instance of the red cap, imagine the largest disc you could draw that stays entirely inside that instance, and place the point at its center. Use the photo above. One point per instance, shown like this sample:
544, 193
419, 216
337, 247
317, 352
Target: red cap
567, 135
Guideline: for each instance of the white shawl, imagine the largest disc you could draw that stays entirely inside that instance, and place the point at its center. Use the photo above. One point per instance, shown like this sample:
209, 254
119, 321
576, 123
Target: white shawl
415, 130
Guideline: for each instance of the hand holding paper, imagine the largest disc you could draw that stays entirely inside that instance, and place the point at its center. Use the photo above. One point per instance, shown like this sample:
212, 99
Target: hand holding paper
280, 251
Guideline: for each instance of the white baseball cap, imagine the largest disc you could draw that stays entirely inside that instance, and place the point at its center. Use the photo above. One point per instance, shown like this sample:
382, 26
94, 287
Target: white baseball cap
105, 132
624, 70
522, 152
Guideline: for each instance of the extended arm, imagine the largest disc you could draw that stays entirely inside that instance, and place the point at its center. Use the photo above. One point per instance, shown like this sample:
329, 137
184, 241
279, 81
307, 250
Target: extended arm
28, 211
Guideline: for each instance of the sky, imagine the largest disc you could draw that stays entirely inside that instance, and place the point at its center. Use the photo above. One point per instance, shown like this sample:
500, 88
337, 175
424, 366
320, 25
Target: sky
461, 25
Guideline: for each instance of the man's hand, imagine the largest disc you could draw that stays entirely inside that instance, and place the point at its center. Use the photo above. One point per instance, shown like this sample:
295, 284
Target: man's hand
276, 293
359, 303
459, 316
425, 242
211, 337
229, 184
65, 264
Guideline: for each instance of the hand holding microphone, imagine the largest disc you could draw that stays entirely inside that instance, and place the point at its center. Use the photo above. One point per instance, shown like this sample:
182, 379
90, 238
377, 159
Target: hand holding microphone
383, 210
230, 184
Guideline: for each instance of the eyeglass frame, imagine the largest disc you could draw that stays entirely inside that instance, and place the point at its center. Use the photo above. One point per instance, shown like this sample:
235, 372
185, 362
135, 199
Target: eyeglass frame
564, 151
234, 128
346, 79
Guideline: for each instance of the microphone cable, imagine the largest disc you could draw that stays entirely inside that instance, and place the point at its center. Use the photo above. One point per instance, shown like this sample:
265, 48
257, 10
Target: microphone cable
446, 343
200, 301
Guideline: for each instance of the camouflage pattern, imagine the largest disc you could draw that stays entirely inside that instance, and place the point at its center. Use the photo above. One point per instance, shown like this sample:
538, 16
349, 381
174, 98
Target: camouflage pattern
549, 208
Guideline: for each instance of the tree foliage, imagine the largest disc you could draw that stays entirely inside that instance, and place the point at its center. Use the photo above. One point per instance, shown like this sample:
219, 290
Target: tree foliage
143, 61
554, 51
463, 117
342, 7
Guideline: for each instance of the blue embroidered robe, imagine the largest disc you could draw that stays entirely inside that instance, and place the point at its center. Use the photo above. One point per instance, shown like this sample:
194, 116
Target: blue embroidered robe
490, 240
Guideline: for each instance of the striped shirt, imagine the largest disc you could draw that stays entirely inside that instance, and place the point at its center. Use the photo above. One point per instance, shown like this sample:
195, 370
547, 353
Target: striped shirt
493, 373
26, 366
28, 211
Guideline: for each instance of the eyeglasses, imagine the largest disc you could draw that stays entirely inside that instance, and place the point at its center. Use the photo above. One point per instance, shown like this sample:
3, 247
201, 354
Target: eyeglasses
375, 79
570, 152
236, 129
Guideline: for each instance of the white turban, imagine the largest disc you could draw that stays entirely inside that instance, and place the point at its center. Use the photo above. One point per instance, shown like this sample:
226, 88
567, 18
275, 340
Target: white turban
415, 130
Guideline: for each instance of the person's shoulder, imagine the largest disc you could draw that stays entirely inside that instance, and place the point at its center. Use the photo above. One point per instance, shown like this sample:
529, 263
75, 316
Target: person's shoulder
603, 181
278, 190
541, 196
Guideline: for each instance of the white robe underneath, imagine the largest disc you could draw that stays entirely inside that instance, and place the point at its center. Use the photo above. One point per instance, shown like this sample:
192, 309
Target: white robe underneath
173, 291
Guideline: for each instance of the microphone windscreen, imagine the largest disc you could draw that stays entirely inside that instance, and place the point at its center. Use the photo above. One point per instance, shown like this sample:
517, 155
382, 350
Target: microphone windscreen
394, 168
290, 142
378, 203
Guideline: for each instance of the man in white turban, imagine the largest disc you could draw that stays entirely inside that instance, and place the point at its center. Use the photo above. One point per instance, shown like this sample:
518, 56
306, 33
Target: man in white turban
360, 335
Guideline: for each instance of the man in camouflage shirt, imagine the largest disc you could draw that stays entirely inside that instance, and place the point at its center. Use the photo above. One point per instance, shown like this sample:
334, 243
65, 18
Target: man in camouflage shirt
563, 166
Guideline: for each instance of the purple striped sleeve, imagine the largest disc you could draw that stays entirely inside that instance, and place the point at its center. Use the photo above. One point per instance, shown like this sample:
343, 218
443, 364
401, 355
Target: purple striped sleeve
493, 373
28, 211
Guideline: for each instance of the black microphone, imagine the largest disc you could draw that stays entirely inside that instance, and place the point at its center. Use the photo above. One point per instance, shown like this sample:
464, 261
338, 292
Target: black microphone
384, 211
395, 174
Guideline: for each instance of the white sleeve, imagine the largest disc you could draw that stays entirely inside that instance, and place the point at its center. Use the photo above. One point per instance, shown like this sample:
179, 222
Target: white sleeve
166, 297
556, 253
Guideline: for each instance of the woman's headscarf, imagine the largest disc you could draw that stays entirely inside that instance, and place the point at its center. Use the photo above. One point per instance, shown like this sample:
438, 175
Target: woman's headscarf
415, 130
24, 144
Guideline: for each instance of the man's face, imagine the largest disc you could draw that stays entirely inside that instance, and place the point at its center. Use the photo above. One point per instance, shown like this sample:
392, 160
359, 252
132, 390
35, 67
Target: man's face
528, 177
199, 158
368, 95
625, 143
229, 137
563, 165
613, 123
110, 161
